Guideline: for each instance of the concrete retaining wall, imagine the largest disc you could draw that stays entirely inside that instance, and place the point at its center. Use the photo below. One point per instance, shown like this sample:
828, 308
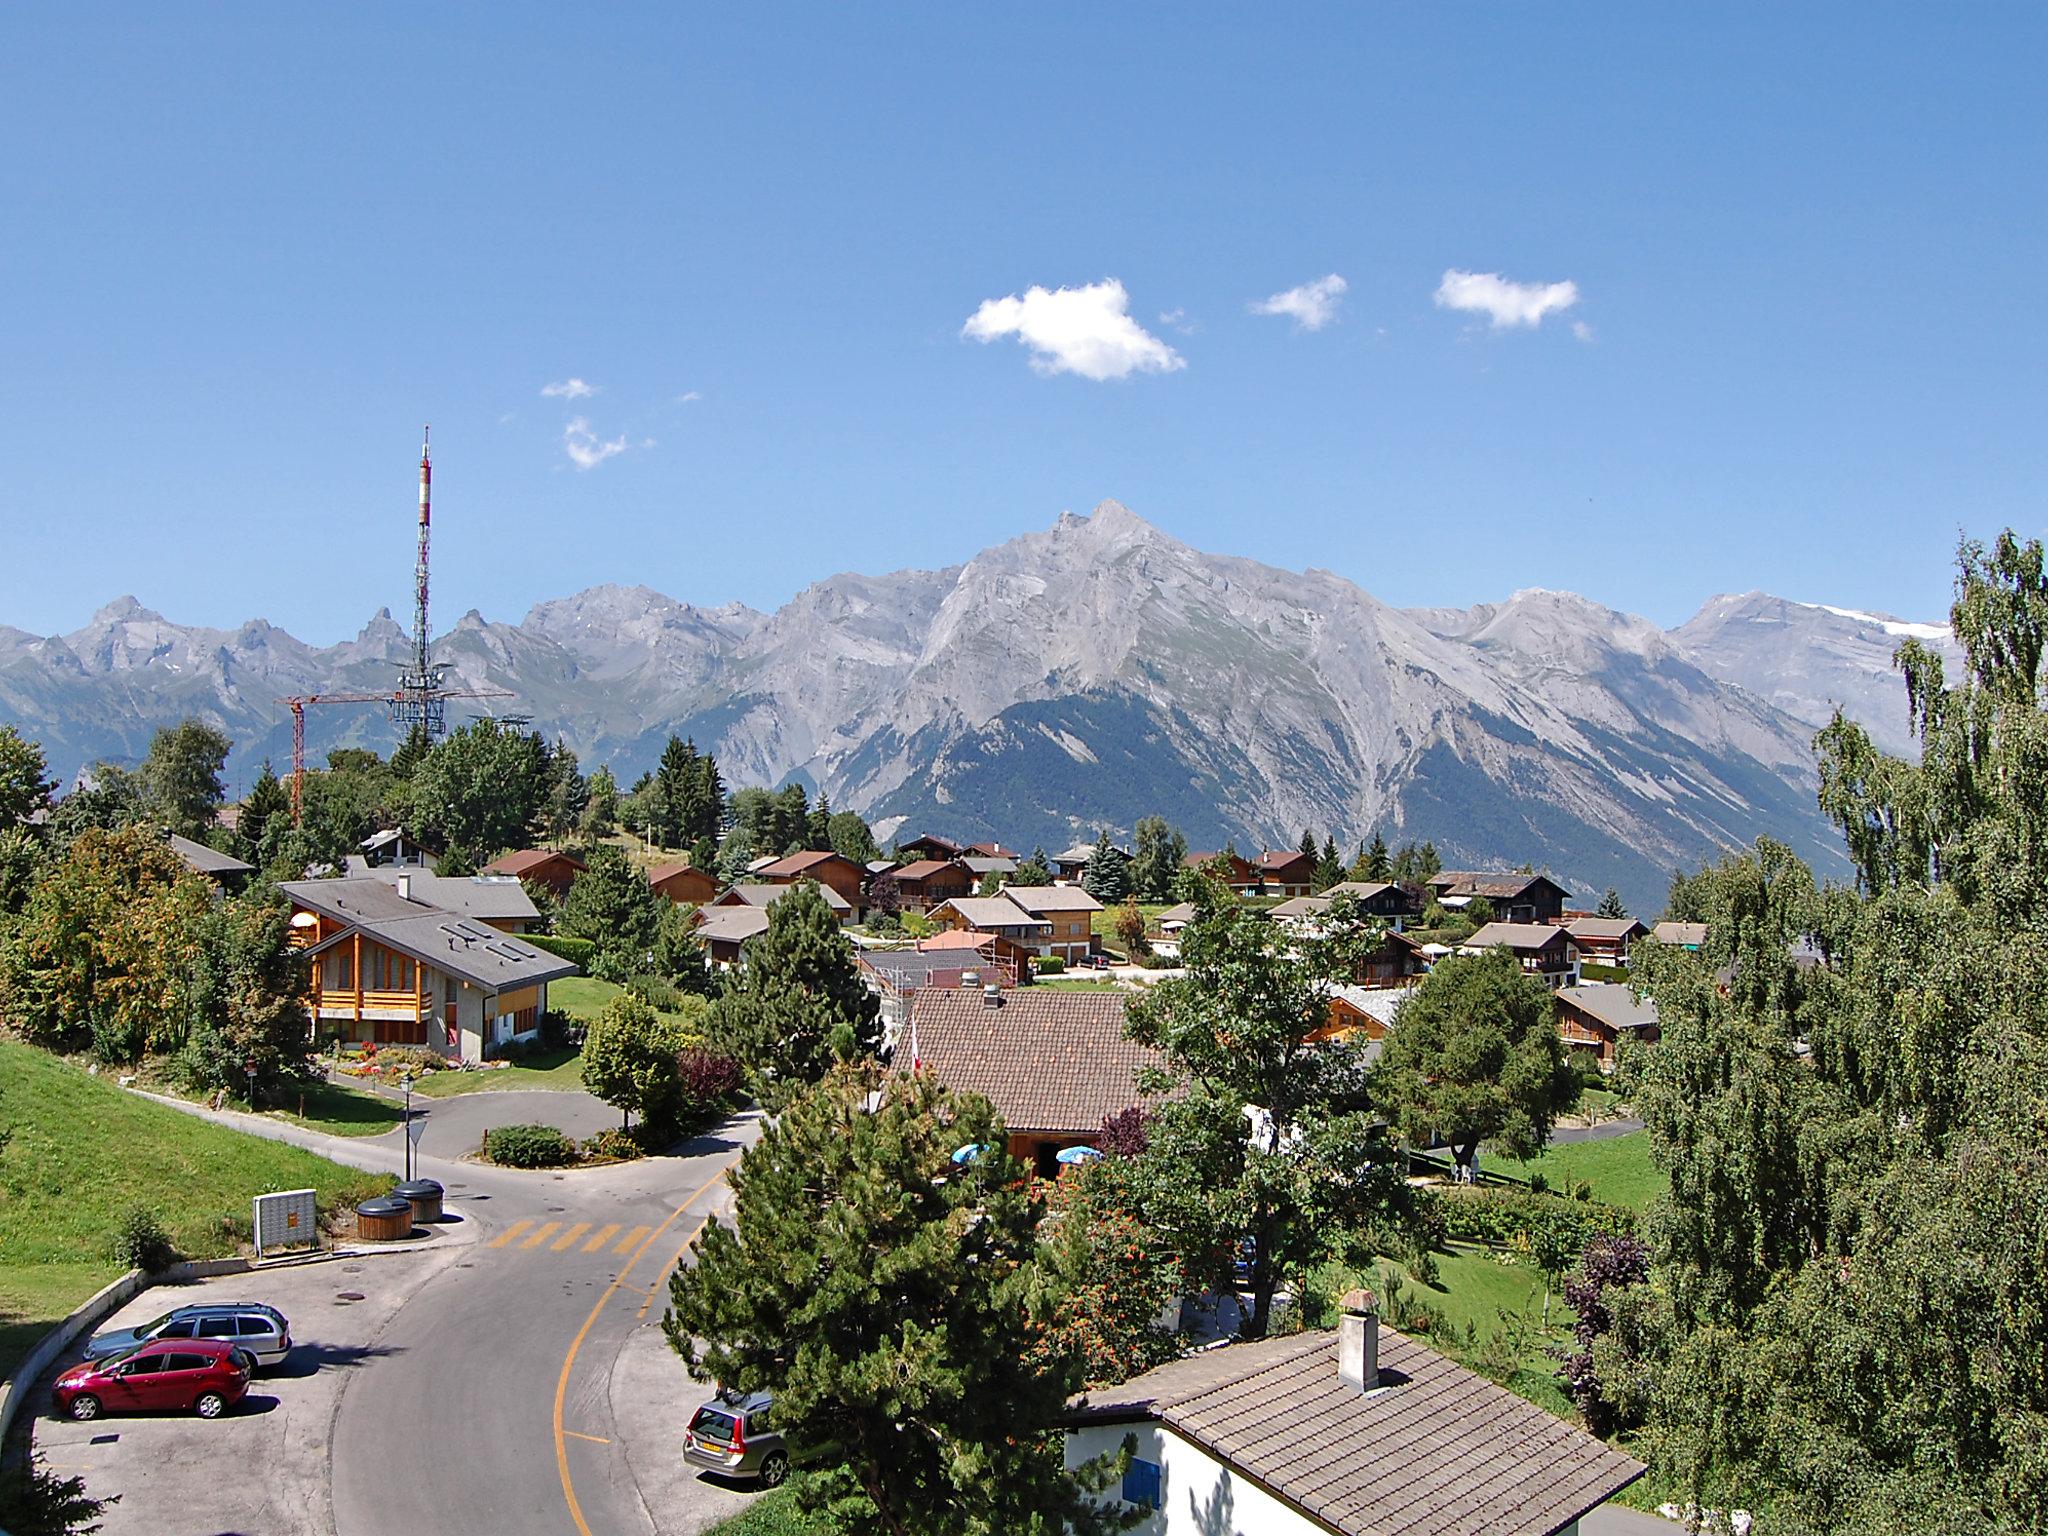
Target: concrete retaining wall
15, 1393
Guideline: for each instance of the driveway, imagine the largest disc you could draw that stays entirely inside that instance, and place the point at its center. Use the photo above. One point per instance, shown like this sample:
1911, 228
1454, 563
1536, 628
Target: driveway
455, 1126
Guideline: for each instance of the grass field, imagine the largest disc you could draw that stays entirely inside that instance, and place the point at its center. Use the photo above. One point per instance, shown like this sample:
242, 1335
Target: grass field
77, 1153
773, 1513
547, 1069
342, 1111
1075, 984
1618, 1168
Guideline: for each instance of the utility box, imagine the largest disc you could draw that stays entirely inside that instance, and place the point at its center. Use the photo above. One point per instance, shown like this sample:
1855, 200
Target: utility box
286, 1219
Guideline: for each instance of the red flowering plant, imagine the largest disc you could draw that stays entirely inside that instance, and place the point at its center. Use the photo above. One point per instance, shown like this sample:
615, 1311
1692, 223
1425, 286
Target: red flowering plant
1112, 1278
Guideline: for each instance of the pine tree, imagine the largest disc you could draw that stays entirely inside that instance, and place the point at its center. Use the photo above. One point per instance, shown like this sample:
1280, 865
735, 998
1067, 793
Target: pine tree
265, 818
1308, 844
894, 1303
818, 825
1329, 868
672, 791
411, 752
612, 905
1036, 870
1611, 905
1108, 877
801, 1003
1377, 865
707, 803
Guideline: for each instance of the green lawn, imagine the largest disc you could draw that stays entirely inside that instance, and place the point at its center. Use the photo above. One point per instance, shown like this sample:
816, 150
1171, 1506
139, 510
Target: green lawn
1075, 984
1595, 1103
77, 1153
581, 997
1618, 1168
342, 1111
773, 1513
544, 1069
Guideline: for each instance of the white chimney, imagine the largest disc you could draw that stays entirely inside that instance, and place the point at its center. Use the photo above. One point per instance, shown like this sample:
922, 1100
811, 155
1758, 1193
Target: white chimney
404, 886
991, 996
1358, 1341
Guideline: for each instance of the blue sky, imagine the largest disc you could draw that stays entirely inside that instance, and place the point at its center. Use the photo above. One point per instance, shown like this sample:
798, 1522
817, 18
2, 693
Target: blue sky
246, 252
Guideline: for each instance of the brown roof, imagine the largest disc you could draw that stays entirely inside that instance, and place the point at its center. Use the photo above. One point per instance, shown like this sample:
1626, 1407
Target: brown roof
958, 938
1435, 1451
1494, 885
924, 869
798, 863
1604, 927
1517, 936
526, 860
1283, 858
660, 872
1048, 1061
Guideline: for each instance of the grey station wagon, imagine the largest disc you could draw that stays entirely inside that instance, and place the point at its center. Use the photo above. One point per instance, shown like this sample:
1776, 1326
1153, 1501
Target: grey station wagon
260, 1335
732, 1435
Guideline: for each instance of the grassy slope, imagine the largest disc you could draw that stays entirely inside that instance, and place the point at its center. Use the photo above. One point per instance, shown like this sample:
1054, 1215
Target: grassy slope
79, 1153
1619, 1168
549, 1069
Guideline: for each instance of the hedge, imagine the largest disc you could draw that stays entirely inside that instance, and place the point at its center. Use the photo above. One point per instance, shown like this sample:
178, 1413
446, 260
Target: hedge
578, 950
1477, 1214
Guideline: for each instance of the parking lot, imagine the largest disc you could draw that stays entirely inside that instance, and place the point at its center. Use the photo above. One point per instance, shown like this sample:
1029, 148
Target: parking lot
262, 1467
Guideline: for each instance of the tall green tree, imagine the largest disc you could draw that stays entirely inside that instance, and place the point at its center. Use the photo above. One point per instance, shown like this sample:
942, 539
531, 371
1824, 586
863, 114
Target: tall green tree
1611, 905
567, 795
1270, 1134
1159, 852
482, 788
669, 801
704, 814
1108, 876
892, 1301
25, 784
612, 905
800, 1005
248, 1000
1376, 864
1329, 867
265, 818
180, 779
1036, 870
601, 805
1474, 1055
848, 835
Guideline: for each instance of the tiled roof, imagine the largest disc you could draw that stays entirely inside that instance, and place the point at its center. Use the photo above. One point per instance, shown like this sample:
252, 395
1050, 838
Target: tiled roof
789, 867
1494, 885
1281, 858
1687, 935
1434, 1451
659, 872
1604, 927
957, 938
1516, 935
993, 912
1048, 1061
1300, 906
1612, 1003
527, 860
1052, 898
203, 860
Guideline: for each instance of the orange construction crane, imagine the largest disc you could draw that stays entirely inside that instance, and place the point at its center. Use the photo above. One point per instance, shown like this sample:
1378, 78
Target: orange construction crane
392, 700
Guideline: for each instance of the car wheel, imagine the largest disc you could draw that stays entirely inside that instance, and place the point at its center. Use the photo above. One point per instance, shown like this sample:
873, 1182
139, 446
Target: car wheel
774, 1468
211, 1405
85, 1406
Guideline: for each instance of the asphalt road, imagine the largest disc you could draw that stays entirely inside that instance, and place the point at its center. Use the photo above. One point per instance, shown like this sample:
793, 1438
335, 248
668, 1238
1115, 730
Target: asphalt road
491, 1409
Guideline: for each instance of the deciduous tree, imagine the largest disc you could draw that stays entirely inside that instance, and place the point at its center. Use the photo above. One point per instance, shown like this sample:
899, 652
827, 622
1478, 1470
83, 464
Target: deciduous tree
25, 783
180, 780
631, 1060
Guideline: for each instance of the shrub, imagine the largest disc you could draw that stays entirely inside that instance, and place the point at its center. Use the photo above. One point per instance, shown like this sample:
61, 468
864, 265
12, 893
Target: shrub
412, 1058
1538, 1184
709, 1078
1047, 965
528, 1146
1124, 1134
622, 1146
559, 1031
656, 993
577, 950
141, 1242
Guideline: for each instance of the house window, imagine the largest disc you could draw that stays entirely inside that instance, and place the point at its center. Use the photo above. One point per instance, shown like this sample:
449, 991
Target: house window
1142, 1485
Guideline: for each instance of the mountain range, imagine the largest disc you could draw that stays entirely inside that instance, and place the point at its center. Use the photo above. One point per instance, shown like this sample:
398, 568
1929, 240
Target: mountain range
1083, 676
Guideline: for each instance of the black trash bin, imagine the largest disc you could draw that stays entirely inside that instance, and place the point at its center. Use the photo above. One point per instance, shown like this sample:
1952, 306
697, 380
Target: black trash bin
424, 1196
384, 1219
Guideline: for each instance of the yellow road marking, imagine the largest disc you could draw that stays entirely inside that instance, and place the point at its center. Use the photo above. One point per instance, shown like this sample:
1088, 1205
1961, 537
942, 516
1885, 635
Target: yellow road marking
577, 1434
509, 1233
604, 1235
568, 1239
569, 1360
540, 1236
632, 1238
656, 1288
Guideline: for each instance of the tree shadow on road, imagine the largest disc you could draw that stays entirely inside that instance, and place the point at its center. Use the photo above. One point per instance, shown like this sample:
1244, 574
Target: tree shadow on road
310, 1359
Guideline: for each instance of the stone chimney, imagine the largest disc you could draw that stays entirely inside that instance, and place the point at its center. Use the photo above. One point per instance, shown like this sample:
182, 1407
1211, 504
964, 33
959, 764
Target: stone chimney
404, 887
1358, 1341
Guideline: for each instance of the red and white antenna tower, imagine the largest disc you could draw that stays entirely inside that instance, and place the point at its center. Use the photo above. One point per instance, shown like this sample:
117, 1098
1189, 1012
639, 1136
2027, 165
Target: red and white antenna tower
421, 700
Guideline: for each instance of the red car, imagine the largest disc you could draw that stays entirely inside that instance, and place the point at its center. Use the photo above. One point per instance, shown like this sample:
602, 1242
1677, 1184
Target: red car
190, 1375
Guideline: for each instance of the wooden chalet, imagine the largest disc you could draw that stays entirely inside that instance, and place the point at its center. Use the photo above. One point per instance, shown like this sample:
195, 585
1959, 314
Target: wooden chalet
549, 867
1392, 903
496, 901
845, 877
392, 968
1285, 872
1597, 1016
1069, 913
1542, 949
1514, 897
929, 846
995, 917
751, 893
1605, 940
684, 883
1680, 935
1243, 879
928, 882
725, 930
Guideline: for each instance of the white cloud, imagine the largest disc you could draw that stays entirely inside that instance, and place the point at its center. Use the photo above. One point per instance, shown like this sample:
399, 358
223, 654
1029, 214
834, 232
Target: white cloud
585, 448
1582, 330
567, 389
1311, 306
689, 397
1505, 302
1086, 330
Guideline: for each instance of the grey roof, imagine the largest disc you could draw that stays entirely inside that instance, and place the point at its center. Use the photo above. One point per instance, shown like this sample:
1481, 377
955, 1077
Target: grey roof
483, 897
731, 925
906, 970
1052, 898
1181, 915
445, 940
1434, 1451
983, 865
1381, 1003
1604, 927
1686, 935
993, 912
207, 861
1300, 906
758, 894
1612, 1003
1516, 935
1081, 853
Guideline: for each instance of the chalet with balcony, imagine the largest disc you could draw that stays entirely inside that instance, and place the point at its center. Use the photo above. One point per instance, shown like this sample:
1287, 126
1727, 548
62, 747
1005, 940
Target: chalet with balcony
1542, 949
1240, 876
1605, 940
751, 893
1597, 1016
1285, 872
929, 846
844, 877
1069, 912
390, 967
496, 901
1514, 898
928, 882
1392, 903
995, 917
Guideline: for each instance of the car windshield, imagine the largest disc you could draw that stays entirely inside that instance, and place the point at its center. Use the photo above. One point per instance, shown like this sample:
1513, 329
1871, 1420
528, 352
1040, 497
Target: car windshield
150, 1327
